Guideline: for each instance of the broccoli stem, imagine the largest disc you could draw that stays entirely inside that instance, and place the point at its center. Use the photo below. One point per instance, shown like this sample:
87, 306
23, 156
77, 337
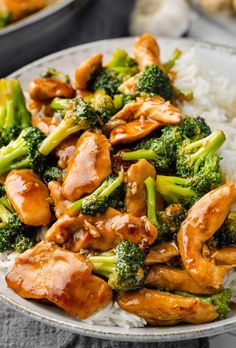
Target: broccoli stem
151, 200
59, 103
170, 63
10, 153
12, 106
139, 154
207, 146
171, 188
62, 131
105, 190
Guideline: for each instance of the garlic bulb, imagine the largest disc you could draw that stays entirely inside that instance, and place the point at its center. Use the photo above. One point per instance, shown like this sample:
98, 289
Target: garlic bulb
160, 17
215, 5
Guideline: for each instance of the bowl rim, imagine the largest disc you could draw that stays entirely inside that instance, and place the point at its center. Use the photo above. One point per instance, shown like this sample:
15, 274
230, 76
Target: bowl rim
106, 332
35, 17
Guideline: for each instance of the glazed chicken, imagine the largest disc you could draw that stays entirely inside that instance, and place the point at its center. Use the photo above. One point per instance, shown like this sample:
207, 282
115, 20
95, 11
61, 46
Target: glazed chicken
135, 199
146, 51
162, 253
203, 220
85, 70
44, 89
225, 256
21, 8
142, 117
88, 167
61, 277
101, 232
65, 151
29, 196
163, 308
160, 276
60, 203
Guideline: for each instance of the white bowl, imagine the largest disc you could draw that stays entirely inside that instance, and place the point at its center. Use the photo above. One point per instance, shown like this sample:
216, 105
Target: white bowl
218, 58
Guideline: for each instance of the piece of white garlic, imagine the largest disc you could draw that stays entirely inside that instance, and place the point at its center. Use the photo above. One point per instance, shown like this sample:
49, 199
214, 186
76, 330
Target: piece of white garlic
160, 17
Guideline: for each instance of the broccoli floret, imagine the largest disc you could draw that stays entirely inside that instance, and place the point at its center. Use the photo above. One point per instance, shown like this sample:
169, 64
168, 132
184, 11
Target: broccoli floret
23, 243
5, 18
169, 221
154, 81
123, 266
171, 62
79, 115
59, 104
98, 201
53, 73
221, 301
13, 233
23, 152
120, 100
117, 198
200, 155
151, 200
103, 104
226, 235
53, 174
182, 94
14, 115
185, 191
123, 64
106, 79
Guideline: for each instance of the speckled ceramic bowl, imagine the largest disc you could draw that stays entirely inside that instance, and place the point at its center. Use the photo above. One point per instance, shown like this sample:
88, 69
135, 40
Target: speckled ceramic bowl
219, 59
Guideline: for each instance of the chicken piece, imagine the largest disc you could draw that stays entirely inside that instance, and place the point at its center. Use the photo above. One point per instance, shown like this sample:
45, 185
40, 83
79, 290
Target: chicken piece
225, 256
203, 220
29, 196
44, 89
88, 167
136, 194
146, 51
142, 116
161, 308
86, 69
21, 8
60, 203
65, 151
175, 279
133, 131
61, 277
162, 253
101, 232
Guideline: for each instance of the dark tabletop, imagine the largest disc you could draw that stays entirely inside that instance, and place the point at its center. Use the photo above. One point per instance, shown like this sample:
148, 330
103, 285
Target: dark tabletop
99, 19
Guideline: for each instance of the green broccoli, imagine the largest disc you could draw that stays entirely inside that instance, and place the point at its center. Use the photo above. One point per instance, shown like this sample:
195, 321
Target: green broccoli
171, 62
109, 78
98, 201
200, 155
60, 104
14, 115
53, 174
154, 81
13, 233
53, 73
2, 190
79, 115
169, 221
103, 104
5, 18
123, 266
226, 235
23, 152
221, 301
185, 191
151, 200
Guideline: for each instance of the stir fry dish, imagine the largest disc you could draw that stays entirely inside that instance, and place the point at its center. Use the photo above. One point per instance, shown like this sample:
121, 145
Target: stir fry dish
110, 194
14, 10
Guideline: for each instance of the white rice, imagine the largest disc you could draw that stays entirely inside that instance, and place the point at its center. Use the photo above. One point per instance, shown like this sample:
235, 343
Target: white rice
215, 100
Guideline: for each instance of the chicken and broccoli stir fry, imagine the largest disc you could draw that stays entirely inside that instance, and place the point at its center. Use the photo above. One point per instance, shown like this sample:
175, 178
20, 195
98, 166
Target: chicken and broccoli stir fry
129, 191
